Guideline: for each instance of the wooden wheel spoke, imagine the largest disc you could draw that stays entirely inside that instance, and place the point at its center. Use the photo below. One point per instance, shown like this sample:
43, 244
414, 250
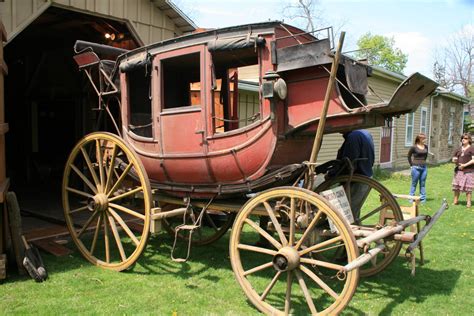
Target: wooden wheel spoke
106, 240
258, 268
100, 161
87, 224
309, 229
289, 281
79, 192
320, 282
127, 210
128, 193
76, 210
320, 263
91, 168
321, 245
292, 221
116, 234
375, 211
120, 179
84, 178
257, 249
96, 234
276, 224
270, 285
110, 169
262, 232
124, 226
306, 293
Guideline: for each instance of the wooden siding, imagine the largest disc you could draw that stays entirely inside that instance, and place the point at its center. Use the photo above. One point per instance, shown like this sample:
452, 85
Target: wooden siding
148, 21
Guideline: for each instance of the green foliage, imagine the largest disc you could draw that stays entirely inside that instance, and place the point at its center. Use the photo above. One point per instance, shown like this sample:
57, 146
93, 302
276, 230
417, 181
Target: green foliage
206, 285
380, 51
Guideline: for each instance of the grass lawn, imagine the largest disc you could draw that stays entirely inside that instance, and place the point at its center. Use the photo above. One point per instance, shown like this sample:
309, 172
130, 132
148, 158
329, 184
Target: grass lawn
206, 284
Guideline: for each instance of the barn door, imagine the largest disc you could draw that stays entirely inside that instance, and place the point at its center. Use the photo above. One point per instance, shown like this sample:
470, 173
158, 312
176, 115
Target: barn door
386, 142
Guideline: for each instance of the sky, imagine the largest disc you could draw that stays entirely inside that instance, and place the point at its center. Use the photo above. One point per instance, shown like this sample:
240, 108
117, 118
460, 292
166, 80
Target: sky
420, 28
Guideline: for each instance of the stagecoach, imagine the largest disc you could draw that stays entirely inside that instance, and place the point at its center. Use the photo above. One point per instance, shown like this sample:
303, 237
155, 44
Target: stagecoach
221, 129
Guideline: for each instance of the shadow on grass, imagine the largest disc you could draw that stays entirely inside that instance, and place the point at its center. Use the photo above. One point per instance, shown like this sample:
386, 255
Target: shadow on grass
156, 259
397, 284
394, 286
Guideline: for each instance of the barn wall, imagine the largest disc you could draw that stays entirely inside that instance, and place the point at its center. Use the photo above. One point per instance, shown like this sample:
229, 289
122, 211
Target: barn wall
150, 24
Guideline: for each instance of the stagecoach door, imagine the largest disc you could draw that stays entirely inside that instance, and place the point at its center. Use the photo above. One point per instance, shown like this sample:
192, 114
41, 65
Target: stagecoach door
180, 99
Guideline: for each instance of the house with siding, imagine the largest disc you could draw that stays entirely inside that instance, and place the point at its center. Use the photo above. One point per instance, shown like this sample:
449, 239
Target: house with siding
440, 116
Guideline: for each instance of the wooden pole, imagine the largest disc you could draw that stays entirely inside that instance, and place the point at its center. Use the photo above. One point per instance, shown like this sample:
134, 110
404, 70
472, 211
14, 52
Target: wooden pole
322, 121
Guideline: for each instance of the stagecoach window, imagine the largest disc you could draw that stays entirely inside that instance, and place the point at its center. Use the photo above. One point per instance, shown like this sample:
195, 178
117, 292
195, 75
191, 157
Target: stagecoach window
236, 90
139, 96
181, 78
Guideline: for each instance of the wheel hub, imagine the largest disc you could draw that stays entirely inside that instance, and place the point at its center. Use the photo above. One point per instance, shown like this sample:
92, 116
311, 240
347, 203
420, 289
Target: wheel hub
286, 259
99, 202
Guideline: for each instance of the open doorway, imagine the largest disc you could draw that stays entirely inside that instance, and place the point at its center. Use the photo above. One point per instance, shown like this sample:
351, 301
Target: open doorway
49, 104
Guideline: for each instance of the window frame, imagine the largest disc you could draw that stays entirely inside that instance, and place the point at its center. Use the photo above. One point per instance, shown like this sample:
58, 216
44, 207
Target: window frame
424, 113
159, 86
126, 95
409, 141
452, 110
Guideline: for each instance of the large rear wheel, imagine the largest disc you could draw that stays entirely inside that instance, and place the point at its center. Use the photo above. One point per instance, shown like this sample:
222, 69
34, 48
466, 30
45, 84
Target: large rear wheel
376, 207
106, 201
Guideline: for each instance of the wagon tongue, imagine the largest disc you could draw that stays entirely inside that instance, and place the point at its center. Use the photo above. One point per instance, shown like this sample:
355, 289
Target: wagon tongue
408, 96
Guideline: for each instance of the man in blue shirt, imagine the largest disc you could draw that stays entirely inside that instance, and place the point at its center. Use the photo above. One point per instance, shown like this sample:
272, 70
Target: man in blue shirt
358, 145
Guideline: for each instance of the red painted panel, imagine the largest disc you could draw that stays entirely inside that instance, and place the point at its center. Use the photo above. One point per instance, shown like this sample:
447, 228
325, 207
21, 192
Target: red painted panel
182, 133
306, 99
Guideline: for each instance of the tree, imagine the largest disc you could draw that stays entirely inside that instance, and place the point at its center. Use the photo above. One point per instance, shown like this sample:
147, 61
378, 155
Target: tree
454, 65
308, 15
380, 51
303, 11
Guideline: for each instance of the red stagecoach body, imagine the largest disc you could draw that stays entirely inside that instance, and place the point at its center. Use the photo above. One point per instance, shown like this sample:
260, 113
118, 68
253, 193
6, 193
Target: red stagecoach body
233, 110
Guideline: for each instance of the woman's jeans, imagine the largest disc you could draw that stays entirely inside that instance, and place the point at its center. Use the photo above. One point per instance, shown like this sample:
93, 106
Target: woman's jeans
419, 174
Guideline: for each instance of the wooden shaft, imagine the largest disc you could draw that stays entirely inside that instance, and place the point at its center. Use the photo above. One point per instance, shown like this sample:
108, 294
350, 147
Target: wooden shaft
322, 119
364, 258
388, 231
428, 226
176, 212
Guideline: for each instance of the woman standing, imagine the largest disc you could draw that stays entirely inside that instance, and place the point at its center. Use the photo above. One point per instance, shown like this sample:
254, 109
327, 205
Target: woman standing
417, 159
463, 176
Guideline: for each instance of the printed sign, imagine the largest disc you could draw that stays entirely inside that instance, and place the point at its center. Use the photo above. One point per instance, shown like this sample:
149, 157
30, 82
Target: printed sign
338, 198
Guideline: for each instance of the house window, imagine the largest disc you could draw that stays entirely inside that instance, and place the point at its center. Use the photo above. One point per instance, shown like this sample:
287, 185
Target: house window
410, 117
424, 121
181, 77
139, 96
451, 126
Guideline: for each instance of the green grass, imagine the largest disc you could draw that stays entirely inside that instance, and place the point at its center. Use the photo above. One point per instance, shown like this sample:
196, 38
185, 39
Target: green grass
206, 284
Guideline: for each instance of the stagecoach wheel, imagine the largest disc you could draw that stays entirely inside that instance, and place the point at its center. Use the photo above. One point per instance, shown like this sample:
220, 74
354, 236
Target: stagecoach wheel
378, 208
106, 201
214, 224
279, 278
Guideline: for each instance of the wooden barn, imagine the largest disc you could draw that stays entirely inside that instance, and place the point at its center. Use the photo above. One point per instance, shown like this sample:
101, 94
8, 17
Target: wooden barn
47, 100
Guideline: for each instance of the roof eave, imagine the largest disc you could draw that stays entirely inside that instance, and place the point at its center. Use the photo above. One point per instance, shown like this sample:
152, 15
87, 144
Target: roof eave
179, 18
